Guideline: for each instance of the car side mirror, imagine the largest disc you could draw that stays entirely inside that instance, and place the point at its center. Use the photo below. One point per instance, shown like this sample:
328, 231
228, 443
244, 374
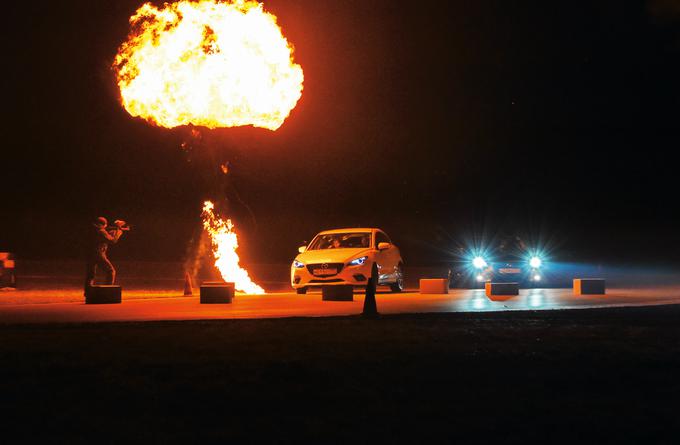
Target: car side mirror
301, 249
383, 246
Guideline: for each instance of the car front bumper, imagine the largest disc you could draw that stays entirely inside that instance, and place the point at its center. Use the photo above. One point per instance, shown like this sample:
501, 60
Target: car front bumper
308, 276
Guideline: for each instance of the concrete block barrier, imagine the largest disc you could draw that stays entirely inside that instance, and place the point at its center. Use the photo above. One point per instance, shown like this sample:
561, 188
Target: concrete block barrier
217, 293
337, 293
589, 286
503, 289
103, 294
434, 286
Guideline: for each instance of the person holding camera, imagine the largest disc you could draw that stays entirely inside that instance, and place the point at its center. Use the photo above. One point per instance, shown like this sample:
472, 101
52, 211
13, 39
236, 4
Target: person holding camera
100, 238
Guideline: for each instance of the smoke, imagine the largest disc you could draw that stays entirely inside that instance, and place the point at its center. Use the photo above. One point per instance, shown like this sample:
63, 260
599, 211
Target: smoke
214, 176
197, 252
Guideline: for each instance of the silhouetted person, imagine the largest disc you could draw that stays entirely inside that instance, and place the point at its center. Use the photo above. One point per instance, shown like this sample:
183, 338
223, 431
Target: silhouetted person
101, 237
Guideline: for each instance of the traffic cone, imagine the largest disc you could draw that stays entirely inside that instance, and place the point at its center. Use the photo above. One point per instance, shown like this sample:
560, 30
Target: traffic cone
370, 306
187, 285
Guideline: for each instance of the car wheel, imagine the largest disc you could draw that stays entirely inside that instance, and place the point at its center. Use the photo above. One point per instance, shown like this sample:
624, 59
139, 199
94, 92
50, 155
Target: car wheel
398, 286
301, 290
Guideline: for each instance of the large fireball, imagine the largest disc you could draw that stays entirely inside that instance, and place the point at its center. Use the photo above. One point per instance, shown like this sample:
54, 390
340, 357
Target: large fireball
208, 63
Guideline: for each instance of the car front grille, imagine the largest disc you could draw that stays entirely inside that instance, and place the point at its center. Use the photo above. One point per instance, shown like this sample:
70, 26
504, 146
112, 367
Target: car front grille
337, 266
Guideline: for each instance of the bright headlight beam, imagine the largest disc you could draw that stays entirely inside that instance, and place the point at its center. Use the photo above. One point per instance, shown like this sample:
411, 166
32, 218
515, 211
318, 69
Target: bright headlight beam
479, 262
535, 262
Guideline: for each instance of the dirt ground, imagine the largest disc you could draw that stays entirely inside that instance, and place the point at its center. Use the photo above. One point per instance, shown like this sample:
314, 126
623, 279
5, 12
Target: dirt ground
595, 376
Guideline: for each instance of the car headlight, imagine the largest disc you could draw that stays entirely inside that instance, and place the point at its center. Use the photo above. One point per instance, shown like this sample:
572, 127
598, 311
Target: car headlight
298, 265
479, 262
358, 261
535, 262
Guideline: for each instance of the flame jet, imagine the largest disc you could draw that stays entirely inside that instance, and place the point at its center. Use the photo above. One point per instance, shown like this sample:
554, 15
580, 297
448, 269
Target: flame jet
208, 63
225, 242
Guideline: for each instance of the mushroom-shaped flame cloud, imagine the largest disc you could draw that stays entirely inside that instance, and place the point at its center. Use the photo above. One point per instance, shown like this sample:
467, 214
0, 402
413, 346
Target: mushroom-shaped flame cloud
208, 63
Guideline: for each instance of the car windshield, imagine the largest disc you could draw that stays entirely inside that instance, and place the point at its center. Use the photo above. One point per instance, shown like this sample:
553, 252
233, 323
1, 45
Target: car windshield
511, 247
341, 241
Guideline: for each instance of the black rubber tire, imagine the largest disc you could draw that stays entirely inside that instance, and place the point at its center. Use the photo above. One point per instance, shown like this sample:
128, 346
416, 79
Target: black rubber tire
301, 290
399, 285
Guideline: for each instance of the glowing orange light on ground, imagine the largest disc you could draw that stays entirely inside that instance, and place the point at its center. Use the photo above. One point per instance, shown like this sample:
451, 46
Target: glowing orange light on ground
208, 63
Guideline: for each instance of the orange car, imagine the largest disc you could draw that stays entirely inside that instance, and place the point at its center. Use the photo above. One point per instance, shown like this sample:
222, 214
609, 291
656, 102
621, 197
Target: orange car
348, 257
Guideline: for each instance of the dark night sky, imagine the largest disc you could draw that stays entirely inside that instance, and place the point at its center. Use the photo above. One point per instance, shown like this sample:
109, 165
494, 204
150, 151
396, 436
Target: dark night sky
436, 120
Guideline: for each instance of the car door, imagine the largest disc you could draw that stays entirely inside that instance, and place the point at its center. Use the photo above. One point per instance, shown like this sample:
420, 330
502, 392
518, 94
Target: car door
387, 259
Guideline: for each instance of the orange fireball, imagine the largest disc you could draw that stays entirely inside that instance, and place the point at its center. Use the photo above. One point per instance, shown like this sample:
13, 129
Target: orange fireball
208, 63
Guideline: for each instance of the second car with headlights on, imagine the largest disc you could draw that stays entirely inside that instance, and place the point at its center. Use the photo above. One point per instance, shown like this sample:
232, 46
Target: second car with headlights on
510, 261
348, 257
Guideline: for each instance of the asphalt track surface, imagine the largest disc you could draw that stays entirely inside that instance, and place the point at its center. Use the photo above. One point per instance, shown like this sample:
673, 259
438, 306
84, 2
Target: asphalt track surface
66, 305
